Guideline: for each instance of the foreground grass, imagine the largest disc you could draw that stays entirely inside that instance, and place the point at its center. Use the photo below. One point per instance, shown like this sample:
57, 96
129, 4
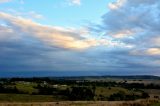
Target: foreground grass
25, 98
156, 104
86, 103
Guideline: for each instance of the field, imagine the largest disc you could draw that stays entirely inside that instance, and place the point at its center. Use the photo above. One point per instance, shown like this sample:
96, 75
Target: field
81, 91
87, 103
25, 98
26, 87
156, 104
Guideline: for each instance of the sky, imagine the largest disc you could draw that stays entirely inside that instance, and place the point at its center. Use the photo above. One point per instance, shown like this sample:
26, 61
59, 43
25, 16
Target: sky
79, 37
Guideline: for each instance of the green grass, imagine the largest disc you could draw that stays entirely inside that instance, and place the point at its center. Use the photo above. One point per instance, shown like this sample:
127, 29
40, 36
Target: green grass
107, 92
25, 98
26, 87
156, 104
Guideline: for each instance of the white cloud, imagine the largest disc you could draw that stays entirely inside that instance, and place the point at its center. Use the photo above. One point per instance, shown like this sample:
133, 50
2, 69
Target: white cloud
4, 1
122, 34
74, 2
153, 51
116, 5
69, 38
30, 14
135, 22
35, 15
146, 52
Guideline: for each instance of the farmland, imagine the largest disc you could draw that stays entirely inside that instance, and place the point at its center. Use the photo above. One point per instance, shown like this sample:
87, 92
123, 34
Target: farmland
120, 90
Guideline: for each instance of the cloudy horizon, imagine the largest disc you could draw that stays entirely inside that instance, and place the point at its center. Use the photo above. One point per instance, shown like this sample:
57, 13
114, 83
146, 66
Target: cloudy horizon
79, 37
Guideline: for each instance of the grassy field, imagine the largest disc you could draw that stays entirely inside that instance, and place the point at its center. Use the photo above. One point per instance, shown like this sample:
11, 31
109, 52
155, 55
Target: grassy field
26, 87
86, 103
25, 98
152, 92
156, 104
101, 93
50, 98
108, 91
122, 93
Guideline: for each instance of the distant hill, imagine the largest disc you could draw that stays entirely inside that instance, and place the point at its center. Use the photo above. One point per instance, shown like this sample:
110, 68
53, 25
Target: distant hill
134, 77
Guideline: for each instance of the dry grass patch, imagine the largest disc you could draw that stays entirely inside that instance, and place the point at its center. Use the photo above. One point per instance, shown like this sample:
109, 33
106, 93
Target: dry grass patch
86, 103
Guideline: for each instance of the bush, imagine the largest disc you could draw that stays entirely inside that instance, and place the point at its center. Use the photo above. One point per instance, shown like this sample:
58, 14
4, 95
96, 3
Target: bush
81, 93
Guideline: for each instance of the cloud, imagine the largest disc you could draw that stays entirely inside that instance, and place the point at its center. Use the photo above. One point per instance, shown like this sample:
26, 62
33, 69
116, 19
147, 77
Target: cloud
137, 15
29, 15
116, 4
4, 1
74, 2
155, 41
56, 36
134, 22
27, 45
153, 51
122, 33
129, 43
69, 38
34, 15
147, 51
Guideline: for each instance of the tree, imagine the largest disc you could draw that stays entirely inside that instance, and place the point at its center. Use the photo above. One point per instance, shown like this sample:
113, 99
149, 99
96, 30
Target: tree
145, 95
81, 93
